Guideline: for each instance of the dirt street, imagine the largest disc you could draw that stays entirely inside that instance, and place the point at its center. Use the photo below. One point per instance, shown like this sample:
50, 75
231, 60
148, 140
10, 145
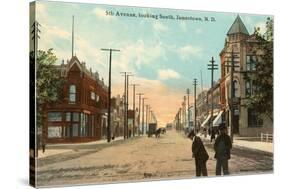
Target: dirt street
141, 158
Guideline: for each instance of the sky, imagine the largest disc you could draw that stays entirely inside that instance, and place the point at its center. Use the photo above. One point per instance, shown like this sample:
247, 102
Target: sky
164, 55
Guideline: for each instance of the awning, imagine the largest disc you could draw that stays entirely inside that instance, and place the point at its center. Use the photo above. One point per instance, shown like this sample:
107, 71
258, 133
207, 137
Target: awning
218, 120
206, 121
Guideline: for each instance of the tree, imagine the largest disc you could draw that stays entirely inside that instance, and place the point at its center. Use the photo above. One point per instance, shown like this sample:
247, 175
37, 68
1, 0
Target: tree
49, 83
262, 100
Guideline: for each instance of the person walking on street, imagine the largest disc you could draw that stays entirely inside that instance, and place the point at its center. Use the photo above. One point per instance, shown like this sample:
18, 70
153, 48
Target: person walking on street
213, 134
222, 148
200, 154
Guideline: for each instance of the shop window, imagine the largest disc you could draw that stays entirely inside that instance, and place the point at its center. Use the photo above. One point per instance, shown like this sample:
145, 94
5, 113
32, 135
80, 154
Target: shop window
254, 119
82, 124
67, 131
54, 131
92, 125
54, 116
75, 129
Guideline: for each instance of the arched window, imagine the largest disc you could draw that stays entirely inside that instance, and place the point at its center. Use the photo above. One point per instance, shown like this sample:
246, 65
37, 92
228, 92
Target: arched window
72, 94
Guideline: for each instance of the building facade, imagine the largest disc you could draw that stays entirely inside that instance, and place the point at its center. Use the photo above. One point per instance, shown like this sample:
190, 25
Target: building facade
81, 115
241, 48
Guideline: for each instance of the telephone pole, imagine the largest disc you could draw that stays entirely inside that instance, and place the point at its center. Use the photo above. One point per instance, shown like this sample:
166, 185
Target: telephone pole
125, 103
35, 32
212, 67
109, 94
188, 117
231, 105
139, 94
35, 136
146, 116
134, 109
143, 115
127, 95
195, 114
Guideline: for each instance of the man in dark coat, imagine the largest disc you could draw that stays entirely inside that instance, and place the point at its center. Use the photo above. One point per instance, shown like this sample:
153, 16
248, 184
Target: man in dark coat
200, 154
222, 148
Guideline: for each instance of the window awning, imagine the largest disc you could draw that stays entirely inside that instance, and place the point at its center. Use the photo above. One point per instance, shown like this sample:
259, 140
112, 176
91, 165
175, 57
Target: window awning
206, 121
218, 119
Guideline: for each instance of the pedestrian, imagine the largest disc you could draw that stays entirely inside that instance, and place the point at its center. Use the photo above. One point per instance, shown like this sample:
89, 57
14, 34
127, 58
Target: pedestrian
222, 148
200, 154
213, 134
205, 132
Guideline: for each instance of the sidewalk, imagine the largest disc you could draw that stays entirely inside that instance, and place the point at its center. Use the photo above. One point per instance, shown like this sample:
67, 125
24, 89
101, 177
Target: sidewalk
254, 145
54, 149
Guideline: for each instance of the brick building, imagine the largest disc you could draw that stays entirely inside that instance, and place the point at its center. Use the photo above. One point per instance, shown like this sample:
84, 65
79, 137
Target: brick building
246, 55
81, 115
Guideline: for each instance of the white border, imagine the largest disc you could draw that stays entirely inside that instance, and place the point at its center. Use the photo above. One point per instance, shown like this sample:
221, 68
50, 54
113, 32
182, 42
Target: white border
14, 45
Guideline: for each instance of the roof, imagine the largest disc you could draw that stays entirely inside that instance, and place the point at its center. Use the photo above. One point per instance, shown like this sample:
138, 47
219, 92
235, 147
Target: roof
238, 27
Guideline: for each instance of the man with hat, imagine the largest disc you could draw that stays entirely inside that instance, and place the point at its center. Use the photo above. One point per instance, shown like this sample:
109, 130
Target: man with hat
199, 153
222, 148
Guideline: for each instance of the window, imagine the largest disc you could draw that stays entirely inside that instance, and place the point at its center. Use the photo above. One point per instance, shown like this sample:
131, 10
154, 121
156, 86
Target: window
93, 95
250, 87
75, 116
54, 131
54, 116
97, 98
68, 116
72, 126
254, 119
72, 94
92, 124
67, 131
75, 129
251, 61
82, 124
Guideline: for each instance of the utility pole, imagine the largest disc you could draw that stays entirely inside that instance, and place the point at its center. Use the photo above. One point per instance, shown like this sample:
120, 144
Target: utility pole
127, 95
184, 112
143, 115
212, 67
188, 117
34, 135
35, 32
139, 94
109, 94
231, 105
125, 103
134, 109
146, 116
195, 114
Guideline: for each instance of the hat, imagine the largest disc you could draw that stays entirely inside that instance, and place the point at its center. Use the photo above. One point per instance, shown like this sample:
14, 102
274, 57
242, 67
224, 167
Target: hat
222, 126
191, 133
